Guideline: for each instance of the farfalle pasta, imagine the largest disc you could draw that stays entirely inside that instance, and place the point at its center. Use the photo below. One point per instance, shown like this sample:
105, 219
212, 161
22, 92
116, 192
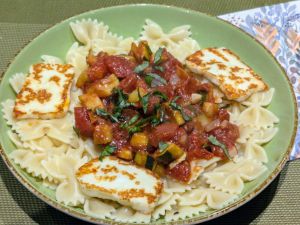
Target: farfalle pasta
115, 74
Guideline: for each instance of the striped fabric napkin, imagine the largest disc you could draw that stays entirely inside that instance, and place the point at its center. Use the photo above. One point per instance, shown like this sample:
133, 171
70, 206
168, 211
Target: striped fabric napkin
278, 28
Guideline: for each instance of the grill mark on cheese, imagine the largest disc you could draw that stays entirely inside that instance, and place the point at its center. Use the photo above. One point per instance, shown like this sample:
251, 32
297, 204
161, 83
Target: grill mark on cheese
129, 175
106, 178
37, 99
217, 53
109, 169
55, 79
136, 193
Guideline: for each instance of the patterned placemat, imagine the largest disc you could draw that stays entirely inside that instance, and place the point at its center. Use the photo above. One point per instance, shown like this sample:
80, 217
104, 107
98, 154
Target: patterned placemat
19, 22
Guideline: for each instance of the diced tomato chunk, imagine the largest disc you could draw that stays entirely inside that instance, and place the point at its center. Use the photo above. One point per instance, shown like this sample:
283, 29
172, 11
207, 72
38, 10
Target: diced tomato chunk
83, 122
129, 83
98, 69
170, 65
163, 132
167, 90
199, 153
119, 66
181, 172
223, 115
153, 100
197, 139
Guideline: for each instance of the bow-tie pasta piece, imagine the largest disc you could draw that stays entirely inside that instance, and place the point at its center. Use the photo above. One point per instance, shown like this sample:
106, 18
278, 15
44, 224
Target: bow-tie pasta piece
184, 48
183, 212
255, 151
68, 191
257, 116
231, 176
213, 198
138, 217
96, 208
87, 30
231, 183
261, 98
76, 56
122, 214
234, 111
16, 81
180, 33
161, 209
31, 162
7, 110
113, 45
173, 186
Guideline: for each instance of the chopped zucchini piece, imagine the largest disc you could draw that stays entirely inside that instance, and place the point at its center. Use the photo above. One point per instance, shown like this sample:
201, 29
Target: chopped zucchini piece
159, 170
125, 153
139, 140
102, 134
150, 163
134, 96
91, 101
171, 153
140, 158
178, 117
105, 86
145, 160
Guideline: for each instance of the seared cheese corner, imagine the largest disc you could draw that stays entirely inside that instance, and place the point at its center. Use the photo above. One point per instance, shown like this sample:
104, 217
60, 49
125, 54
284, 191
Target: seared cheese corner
225, 69
120, 181
45, 93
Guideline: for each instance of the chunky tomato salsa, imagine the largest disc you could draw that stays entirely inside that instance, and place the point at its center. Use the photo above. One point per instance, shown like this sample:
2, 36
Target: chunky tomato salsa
148, 108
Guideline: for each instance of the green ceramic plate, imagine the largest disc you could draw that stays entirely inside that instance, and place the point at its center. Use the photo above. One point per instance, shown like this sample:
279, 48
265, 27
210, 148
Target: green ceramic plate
208, 31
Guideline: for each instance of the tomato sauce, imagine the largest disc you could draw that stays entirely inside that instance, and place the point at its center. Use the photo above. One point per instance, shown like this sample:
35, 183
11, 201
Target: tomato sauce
152, 104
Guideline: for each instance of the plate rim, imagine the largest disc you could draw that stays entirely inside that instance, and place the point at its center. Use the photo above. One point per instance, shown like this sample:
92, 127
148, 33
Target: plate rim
231, 207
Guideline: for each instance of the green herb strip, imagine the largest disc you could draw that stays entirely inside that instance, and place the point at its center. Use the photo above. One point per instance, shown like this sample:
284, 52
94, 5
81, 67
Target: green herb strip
101, 112
121, 103
175, 106
140, 68
212, 139
159, 68
131, 121
157, 56
162, 146
107, 151
153, 80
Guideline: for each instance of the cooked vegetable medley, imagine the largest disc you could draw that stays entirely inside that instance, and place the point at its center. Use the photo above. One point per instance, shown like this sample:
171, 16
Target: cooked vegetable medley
148, 108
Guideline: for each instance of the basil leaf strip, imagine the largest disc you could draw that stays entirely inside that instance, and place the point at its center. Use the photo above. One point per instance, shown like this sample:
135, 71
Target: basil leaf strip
144, 100
162, 146
150, 77
175, 106
140, 68
107, 151
121, 103
101, 112
160, 94
159, 68
157, 56
131, 121
212, 139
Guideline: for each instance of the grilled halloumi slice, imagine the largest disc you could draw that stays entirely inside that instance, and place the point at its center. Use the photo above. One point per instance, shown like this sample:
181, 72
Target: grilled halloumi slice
45, 93
120, 181
226, 70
